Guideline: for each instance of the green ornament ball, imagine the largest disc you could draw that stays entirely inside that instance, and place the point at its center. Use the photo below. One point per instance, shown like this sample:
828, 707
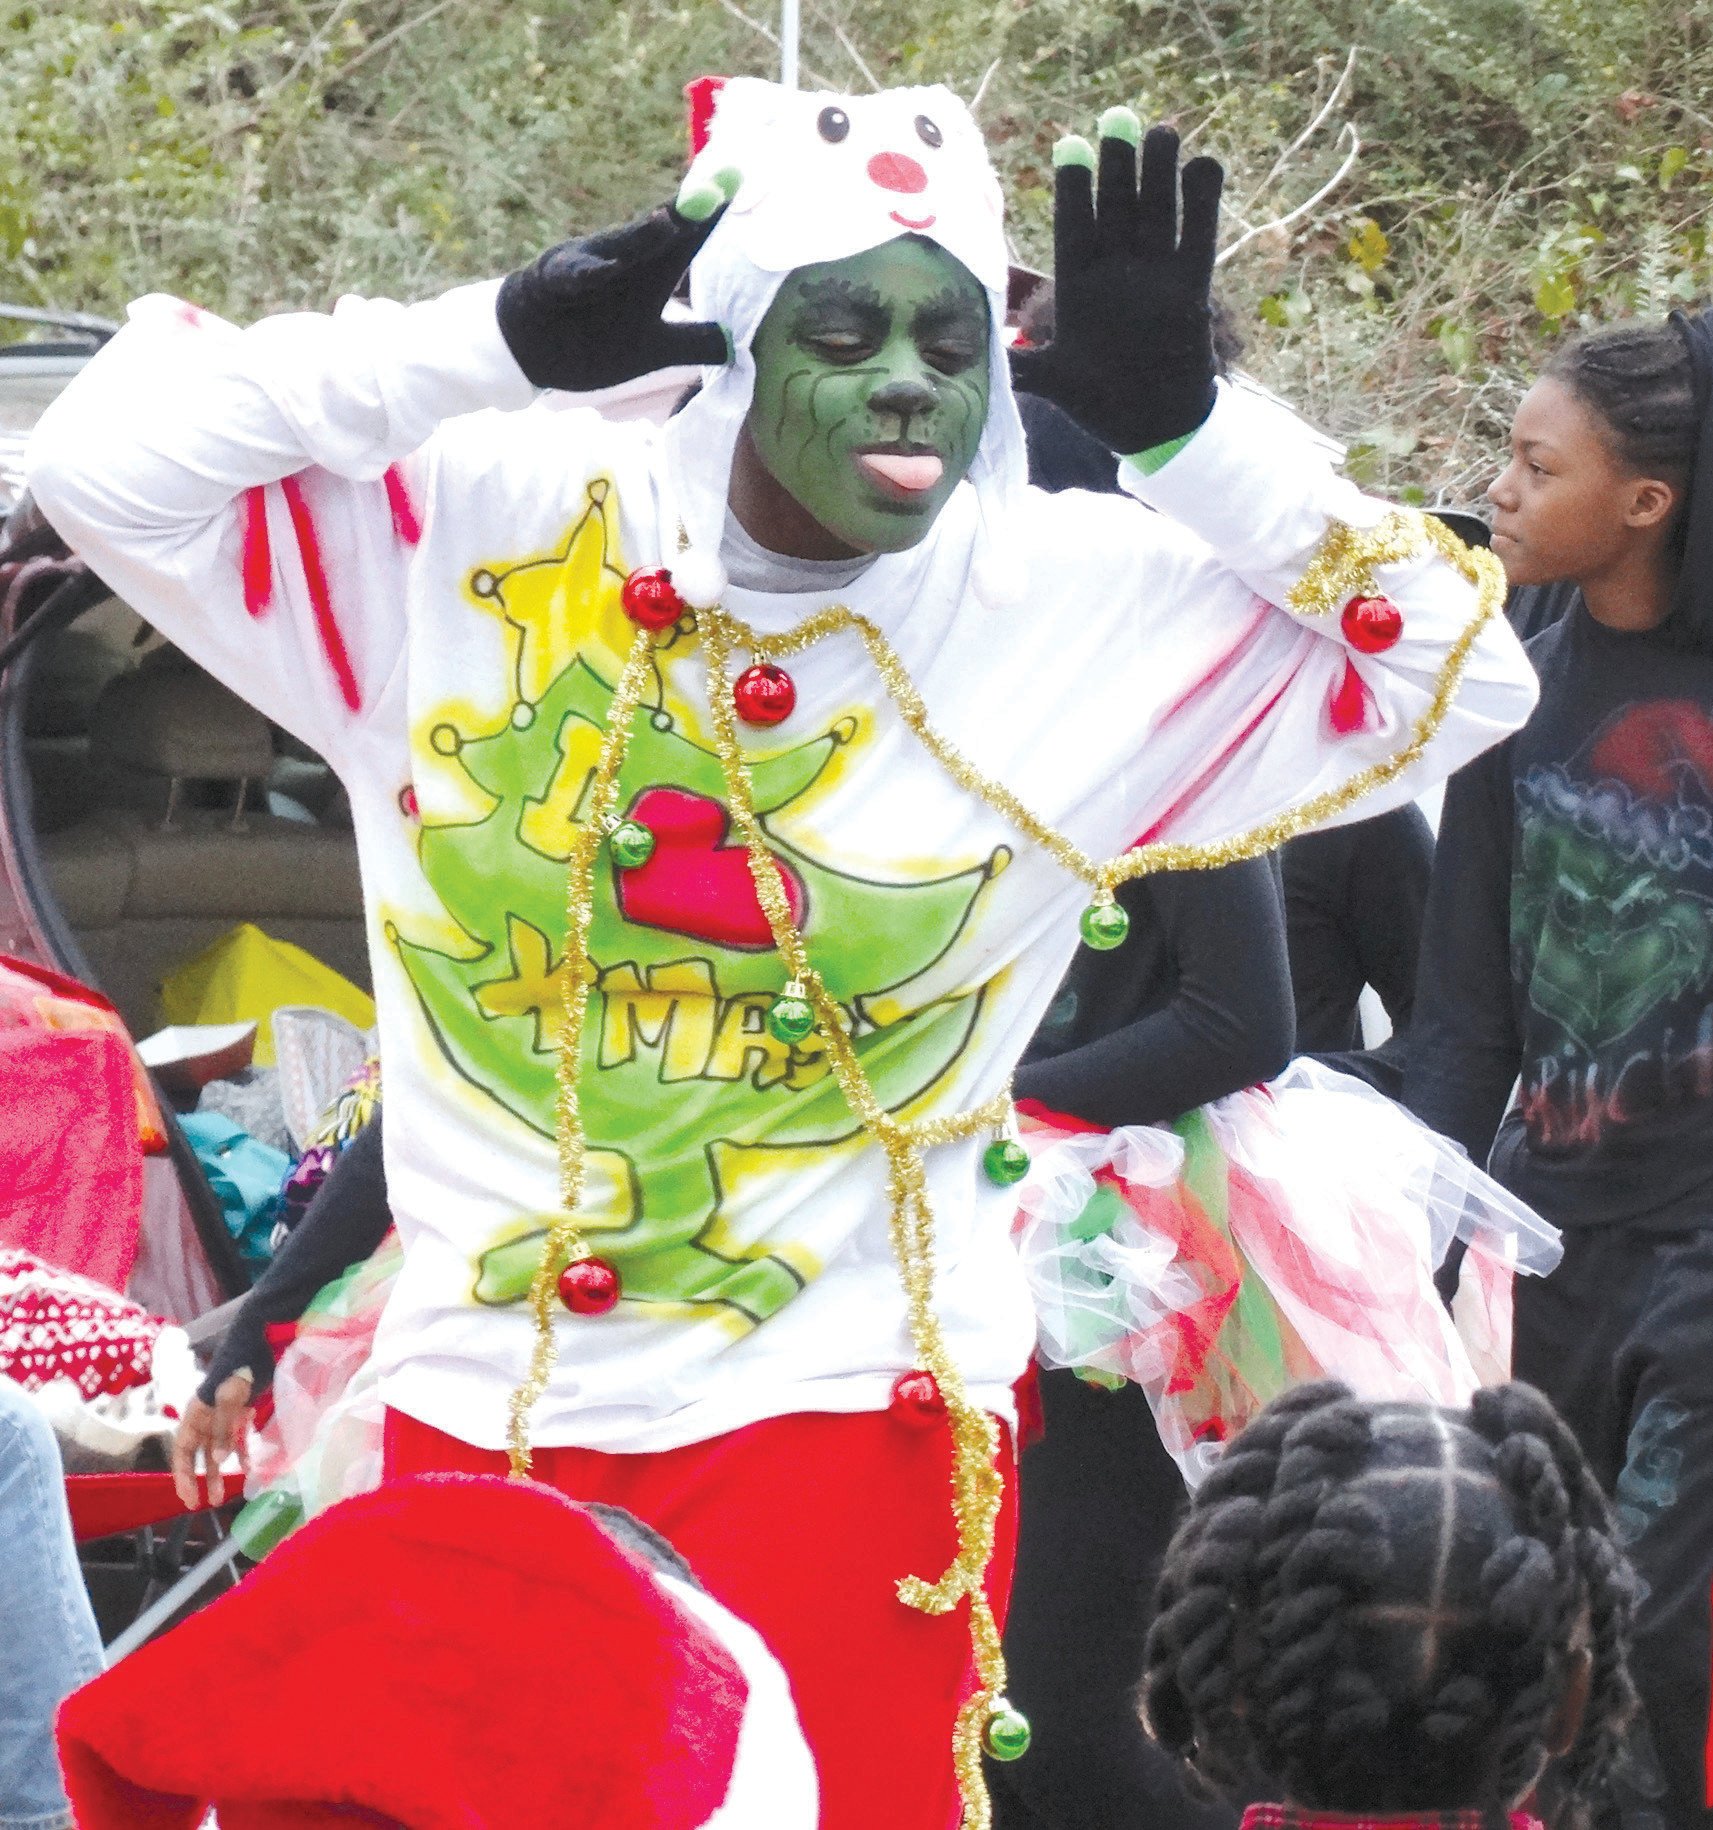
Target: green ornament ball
631, 844
1005, 1161
789, 1019
1006, 1733
1104, 926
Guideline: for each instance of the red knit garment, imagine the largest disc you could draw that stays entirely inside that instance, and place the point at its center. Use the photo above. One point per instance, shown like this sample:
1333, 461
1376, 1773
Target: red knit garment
449, 1653
57, 1325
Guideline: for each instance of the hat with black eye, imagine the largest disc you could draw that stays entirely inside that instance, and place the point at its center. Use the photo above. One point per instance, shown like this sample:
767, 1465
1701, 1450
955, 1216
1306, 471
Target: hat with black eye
820, 177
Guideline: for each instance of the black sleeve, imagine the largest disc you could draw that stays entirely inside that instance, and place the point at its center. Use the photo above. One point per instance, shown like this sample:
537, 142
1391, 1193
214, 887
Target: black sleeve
1388, 890
1229, 1024
1464, 1049
343, 1224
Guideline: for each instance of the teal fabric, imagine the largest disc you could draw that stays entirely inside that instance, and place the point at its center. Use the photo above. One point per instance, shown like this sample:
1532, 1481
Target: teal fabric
247, 1177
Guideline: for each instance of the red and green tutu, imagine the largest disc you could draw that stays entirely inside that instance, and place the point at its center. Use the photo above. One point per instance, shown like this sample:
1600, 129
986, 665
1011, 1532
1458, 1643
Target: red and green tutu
1286, 1233
322, 1441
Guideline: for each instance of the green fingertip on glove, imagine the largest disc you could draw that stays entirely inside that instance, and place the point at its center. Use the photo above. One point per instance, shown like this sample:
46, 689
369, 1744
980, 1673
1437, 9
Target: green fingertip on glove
1073, 149
699, 198
1121, 123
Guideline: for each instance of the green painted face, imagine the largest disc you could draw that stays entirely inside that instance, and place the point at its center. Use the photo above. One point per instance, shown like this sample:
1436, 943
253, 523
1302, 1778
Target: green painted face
871, 390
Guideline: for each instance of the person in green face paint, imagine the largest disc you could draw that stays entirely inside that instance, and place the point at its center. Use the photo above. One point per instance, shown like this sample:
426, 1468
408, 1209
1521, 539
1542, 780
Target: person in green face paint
369, 524
871, 378
871, 391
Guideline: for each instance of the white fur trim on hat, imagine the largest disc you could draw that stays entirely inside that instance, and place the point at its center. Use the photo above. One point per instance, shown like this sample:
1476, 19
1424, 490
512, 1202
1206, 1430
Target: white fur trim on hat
773, 1784
699, 578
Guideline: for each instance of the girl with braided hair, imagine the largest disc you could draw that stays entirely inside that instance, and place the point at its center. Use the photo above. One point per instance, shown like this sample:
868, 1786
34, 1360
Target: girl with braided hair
1567, 952
1396, 1614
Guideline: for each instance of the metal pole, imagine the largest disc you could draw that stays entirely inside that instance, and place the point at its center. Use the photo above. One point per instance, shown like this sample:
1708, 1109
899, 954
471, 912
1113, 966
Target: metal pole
190, 1584
790, 23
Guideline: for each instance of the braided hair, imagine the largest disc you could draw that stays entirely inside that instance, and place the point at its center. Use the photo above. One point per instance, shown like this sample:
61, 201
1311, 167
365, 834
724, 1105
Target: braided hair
1649, 385
1638, 380
1380, 1607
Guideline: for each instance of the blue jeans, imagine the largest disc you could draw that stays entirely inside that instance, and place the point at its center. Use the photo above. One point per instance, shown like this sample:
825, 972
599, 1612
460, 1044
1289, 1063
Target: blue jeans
48, 1644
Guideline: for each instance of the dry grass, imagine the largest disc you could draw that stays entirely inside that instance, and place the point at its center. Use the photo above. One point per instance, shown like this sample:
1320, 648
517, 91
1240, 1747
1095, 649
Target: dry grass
1526, 165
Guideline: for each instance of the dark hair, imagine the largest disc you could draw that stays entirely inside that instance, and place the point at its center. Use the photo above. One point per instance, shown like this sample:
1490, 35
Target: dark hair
1376, 1607
1649, 392
1637, 378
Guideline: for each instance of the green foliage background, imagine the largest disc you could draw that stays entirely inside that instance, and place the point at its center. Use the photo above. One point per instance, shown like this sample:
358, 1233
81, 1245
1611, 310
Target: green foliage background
1527, 166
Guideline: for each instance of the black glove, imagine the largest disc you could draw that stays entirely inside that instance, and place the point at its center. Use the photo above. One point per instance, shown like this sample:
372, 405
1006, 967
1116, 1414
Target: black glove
1131, 358
586, 315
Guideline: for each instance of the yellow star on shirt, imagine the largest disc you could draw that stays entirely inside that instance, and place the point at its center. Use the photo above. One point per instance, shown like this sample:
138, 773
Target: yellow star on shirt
564, 603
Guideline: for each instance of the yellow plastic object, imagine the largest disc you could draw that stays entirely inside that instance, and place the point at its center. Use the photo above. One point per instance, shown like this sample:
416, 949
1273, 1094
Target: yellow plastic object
247, 975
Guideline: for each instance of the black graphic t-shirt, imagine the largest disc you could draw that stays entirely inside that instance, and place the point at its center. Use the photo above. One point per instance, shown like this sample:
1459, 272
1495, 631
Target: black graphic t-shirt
1568, 952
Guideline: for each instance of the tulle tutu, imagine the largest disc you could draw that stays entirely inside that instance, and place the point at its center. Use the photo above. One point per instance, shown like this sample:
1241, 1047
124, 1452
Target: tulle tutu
323, 1442
1283, 1234
1286, 1233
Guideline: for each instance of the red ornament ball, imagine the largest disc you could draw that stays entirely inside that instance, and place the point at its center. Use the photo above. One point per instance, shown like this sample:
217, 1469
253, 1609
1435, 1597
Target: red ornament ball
589, 1286
764, 694
917, 1398
651, 600
1372, 624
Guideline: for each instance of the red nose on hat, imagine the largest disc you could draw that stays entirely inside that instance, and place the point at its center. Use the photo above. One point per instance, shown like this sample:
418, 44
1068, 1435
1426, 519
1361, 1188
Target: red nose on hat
897, 172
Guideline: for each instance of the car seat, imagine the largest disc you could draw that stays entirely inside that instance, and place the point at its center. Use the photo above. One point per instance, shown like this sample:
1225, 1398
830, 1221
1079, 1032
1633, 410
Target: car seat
180, 845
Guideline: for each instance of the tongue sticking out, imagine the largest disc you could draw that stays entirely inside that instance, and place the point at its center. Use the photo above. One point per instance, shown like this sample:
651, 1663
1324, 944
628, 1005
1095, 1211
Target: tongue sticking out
912, 473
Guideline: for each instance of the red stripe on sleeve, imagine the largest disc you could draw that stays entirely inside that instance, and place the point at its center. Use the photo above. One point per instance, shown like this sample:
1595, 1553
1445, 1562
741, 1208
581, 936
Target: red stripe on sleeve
405, 521
258, 559
1197, 788
320, 599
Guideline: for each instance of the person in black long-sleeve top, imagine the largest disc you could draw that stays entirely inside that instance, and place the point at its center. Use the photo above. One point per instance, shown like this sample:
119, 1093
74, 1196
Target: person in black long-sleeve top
1195, 1005
1568, 953
345, 1222
1354, 899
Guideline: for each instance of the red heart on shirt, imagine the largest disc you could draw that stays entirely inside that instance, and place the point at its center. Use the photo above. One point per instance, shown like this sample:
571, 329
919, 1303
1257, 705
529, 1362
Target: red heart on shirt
695, 883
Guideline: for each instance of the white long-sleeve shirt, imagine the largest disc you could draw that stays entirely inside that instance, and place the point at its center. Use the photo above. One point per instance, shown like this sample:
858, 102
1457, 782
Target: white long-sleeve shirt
448, 636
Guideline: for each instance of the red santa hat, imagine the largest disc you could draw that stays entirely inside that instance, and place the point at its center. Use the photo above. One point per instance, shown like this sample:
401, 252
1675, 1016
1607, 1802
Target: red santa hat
448, 1653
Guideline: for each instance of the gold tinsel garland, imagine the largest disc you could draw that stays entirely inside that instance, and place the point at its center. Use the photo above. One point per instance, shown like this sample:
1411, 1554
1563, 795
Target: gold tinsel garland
1342, 567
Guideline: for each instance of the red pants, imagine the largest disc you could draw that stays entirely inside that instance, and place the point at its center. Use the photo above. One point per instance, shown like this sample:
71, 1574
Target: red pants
802, 1526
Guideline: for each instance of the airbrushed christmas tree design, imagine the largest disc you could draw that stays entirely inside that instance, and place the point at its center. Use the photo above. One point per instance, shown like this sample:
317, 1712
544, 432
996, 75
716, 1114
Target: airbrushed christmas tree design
695, 1114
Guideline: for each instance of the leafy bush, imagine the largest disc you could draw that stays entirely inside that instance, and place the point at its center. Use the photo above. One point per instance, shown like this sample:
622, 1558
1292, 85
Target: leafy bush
1527, 166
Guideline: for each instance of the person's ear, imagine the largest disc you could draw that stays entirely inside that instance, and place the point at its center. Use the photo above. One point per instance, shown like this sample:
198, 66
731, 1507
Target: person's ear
1651, 503
1578, 1679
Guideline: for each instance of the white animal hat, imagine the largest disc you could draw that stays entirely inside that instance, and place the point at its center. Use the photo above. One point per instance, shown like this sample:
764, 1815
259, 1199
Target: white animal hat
824, 177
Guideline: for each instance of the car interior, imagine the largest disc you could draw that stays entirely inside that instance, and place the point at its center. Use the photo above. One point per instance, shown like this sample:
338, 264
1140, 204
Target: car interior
166, 811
